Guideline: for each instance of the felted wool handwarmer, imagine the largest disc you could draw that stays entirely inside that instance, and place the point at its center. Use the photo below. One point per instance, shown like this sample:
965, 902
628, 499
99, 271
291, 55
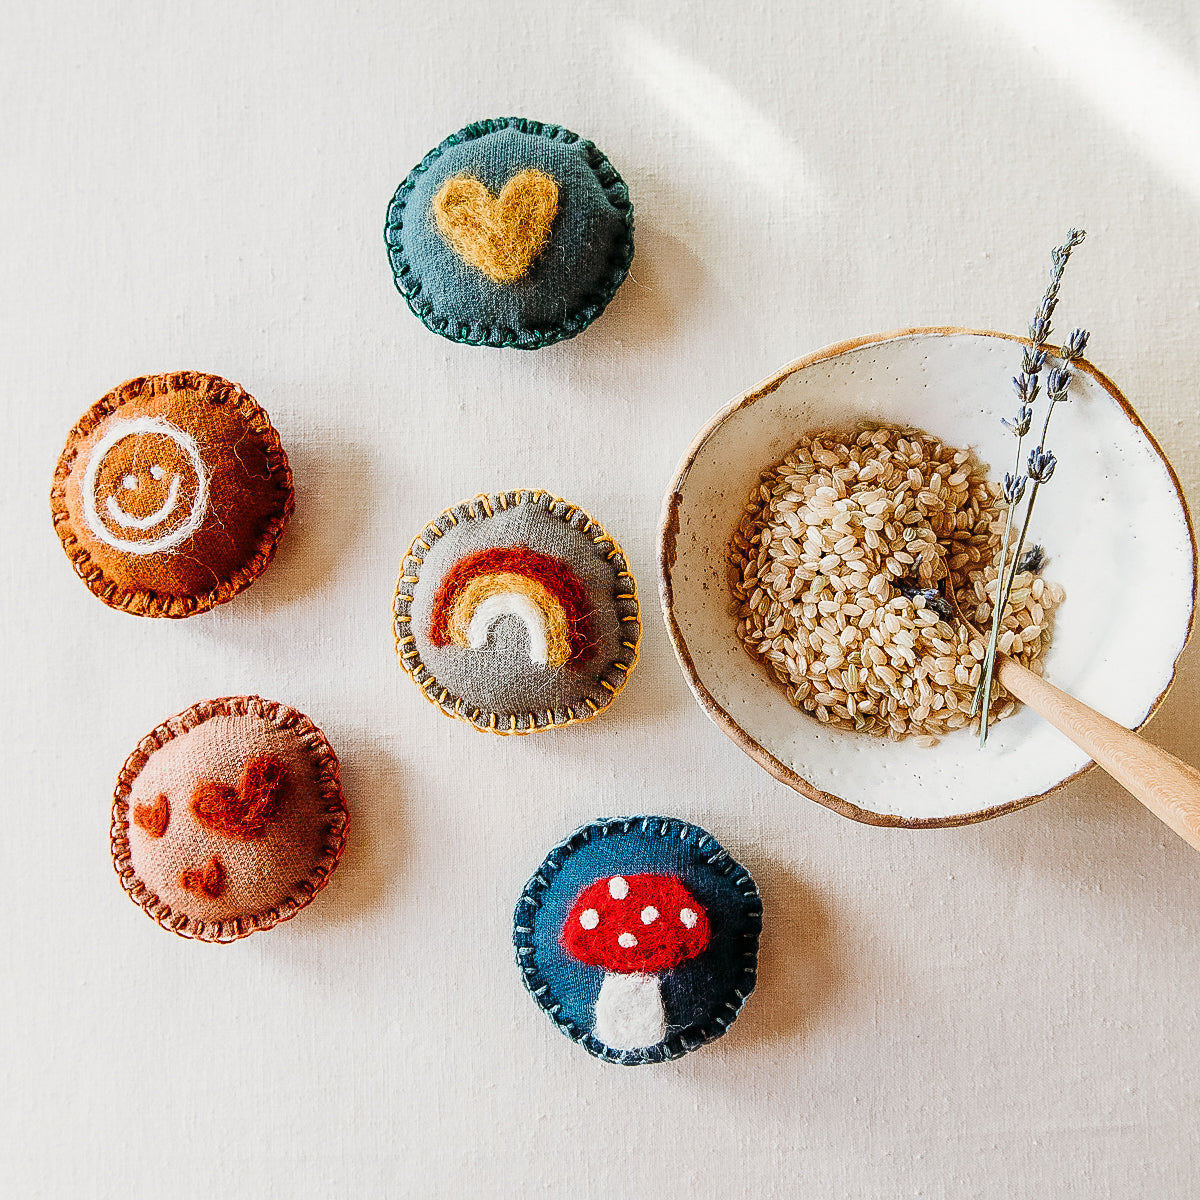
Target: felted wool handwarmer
510, 233
516, 612
228, 818
638, 936
171, 494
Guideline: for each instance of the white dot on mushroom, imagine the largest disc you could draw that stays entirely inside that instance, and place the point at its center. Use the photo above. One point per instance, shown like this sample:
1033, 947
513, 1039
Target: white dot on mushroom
627, 941
157, 471
649, 914
589, 918
129, 482
618, 888
688, 917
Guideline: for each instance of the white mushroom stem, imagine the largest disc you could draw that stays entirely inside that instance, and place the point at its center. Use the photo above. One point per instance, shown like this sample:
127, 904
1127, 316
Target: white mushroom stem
629, 1011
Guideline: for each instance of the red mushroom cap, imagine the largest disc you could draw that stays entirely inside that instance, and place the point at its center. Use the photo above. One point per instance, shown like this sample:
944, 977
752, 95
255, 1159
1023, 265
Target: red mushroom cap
642, 923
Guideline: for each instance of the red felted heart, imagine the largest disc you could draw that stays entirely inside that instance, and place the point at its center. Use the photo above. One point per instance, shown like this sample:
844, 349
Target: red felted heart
245, 813
153, 818
208, 881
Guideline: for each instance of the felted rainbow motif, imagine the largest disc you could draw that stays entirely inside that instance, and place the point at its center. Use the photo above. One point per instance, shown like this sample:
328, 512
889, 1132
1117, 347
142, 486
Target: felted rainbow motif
538, 589
516, 612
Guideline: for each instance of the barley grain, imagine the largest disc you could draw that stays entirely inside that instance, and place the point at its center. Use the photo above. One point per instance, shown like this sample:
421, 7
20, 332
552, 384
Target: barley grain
825, 541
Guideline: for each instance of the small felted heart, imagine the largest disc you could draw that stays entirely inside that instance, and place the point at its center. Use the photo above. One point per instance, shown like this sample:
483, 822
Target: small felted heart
499, 235
243, 814
153, 818
250, 793
207, 881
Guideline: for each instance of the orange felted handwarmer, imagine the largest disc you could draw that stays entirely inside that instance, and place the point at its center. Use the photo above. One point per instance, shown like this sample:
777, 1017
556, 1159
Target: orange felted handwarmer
171, 494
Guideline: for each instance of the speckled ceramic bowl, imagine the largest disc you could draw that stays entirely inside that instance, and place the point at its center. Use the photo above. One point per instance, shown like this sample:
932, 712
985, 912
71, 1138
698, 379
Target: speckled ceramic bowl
1113, 521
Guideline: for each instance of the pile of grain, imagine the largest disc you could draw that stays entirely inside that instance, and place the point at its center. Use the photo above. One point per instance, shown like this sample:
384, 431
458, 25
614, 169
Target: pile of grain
831, 539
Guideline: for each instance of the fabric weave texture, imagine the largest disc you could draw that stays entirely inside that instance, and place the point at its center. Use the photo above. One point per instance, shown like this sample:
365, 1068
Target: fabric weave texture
571, 279
171, 494
702, 995
203, 876
499, 686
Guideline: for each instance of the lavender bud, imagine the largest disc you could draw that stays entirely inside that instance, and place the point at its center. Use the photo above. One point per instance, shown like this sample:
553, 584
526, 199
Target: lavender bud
1026, 386
934, 600
1041, 465
1014, 489
1032, 360
1056, 383
1033, 560
1077, 344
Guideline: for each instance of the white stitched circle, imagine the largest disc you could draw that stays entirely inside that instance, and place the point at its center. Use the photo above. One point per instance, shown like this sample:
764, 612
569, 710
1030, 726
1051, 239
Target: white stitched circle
118, 432
688, 917
618, 889
589, 918
627, 940
649, 914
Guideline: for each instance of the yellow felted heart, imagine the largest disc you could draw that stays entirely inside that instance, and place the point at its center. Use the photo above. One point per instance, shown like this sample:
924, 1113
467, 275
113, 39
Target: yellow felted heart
500, 235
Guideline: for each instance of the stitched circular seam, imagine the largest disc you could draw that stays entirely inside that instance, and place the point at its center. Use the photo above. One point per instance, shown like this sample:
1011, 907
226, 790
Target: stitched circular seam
677, 1043
574, 323
329, 780
485, 721
142, 601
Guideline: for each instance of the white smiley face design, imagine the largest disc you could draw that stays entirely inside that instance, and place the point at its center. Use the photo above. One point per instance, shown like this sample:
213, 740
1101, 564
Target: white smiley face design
169, 523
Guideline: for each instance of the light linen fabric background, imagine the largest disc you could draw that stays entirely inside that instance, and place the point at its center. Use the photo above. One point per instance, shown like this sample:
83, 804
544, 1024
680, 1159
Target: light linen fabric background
1001, 1010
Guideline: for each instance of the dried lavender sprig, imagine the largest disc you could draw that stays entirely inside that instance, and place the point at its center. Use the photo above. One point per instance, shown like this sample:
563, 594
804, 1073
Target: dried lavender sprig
1026, 386
1041, 461
1040, 466
1033, 359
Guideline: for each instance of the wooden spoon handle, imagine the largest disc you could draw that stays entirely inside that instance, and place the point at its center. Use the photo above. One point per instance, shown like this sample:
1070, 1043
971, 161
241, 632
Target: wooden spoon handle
1170, 789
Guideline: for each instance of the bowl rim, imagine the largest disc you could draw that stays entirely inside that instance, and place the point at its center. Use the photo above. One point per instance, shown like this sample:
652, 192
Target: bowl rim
668, 532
